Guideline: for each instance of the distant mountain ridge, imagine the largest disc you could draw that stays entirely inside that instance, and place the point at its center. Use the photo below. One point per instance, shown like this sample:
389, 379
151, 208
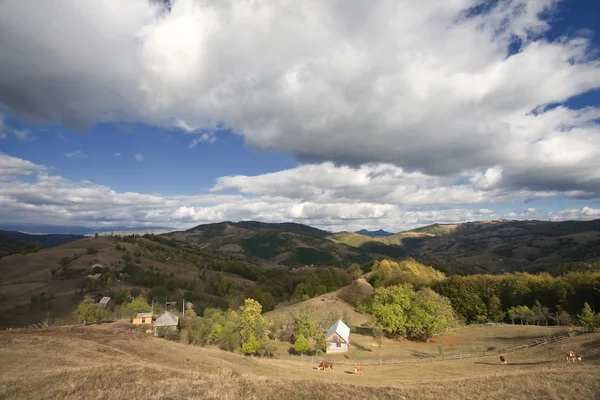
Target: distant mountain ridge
40, 229
12, 242
377, 233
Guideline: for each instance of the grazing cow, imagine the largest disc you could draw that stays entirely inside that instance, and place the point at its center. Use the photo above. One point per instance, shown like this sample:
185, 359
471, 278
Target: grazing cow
358, 369
572, 356
502, 360
324, 365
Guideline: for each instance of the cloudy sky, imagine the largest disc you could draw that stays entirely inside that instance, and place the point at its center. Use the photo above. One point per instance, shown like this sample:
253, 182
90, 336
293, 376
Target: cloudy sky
341, 114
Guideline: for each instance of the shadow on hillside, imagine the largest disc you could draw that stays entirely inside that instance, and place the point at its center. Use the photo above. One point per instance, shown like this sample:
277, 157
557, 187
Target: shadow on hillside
514, 363
358, 346
590, 347
523, 338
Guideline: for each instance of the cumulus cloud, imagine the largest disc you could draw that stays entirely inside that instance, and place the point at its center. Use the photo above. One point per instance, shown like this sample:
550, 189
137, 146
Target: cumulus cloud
431, 88
138, 157
77, 154
30, 193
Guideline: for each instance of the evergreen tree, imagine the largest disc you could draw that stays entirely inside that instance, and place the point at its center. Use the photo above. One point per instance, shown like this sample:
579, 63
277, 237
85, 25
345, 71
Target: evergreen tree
587, 318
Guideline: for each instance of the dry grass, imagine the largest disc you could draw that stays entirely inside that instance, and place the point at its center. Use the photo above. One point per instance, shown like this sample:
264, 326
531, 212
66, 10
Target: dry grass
99, 363
322, 305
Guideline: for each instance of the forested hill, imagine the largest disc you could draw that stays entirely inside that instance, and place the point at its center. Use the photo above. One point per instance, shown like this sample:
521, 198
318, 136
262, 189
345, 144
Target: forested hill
285, 244
16, 242
491, 247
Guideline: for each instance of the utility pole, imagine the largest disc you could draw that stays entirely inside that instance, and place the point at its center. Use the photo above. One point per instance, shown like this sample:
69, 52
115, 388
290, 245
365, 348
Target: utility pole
183, 306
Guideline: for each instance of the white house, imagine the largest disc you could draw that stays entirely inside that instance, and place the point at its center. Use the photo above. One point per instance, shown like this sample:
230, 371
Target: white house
167, 321
338, 338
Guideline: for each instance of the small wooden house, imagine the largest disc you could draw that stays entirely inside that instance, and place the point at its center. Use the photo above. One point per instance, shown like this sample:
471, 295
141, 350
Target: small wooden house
338, 338
168, 321
142, 318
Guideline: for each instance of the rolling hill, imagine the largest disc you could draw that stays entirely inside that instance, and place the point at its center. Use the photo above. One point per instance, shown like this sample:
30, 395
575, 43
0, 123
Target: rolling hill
12, 242
491, 247
286, 244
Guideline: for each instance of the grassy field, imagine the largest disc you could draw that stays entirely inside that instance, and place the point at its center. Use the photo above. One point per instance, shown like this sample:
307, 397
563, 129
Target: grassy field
101, 362
321, 305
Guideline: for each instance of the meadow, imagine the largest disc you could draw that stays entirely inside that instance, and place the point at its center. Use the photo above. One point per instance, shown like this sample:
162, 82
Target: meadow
98, 362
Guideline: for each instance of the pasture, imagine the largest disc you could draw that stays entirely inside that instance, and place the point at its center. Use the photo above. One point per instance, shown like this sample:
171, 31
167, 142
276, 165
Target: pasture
102, 362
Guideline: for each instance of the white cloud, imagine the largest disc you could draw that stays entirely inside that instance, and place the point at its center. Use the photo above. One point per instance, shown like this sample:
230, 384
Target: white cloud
346, 81
117, 154
30, 194
138, 157
77, 154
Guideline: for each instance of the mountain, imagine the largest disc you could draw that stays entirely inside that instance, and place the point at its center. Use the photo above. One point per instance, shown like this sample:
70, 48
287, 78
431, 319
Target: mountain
377, 233
283, 244
76, 230
17, 242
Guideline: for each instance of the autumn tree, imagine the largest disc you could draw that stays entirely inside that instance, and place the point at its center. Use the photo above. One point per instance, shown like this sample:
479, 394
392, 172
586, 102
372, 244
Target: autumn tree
252, 326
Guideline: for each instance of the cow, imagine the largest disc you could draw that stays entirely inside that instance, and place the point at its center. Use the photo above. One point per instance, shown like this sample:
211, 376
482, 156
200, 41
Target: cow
502, 360
324, 365
358, 369
572, 356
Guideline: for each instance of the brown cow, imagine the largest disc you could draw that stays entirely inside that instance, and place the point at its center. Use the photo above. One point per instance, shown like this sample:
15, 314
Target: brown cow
572, 356
324, 365
358, 369
502, 360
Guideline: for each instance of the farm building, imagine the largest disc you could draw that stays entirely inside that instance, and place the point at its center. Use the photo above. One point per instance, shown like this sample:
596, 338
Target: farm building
142, 318
106, 302
338, 338
166, 321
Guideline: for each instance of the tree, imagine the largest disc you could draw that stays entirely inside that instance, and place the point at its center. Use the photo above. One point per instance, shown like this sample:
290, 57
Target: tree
253, 326
138, 305
301, 344
354, 271
429, 314
391, 306
587, 318
190, 313
378, 333
89, 312
109, 281
251, 345
494, 306
541, 313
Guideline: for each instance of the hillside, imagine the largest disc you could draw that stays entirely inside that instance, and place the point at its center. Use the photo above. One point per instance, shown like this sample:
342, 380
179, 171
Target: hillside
319, 307
495, 246
49, 283
499, 246
12, 242
286, 244
103, 362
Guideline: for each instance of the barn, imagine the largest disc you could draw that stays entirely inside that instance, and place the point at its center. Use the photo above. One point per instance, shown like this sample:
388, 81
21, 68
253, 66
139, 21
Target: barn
338, 338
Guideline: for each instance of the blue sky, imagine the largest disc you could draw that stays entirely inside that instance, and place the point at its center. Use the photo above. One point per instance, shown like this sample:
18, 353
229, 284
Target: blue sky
361, 115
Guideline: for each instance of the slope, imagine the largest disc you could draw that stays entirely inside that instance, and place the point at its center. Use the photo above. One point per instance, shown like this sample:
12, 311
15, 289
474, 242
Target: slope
12, 242
286, 244
100, 362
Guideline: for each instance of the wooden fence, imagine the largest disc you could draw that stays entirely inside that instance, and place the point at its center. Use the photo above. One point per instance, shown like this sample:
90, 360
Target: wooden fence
432, 357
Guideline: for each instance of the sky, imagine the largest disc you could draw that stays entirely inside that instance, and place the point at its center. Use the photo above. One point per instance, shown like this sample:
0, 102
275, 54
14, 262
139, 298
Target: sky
340, 114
